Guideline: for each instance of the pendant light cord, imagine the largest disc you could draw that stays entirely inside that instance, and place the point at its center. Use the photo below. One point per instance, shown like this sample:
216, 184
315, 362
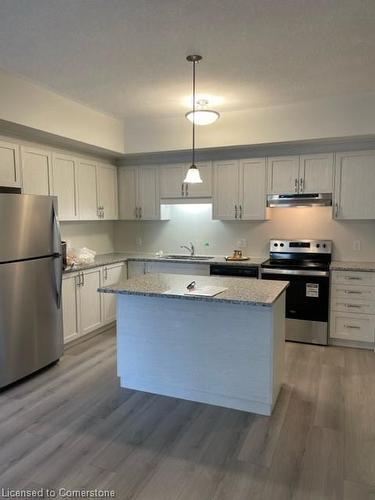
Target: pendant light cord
193, 152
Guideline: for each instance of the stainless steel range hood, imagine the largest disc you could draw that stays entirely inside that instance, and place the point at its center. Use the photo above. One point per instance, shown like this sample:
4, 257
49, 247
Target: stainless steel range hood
299, 200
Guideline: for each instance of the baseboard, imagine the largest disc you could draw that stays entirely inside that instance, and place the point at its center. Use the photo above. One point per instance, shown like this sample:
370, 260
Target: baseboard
88, 336
351, 343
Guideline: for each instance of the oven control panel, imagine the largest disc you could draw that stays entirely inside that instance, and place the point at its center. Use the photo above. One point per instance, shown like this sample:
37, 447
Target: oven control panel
301, 246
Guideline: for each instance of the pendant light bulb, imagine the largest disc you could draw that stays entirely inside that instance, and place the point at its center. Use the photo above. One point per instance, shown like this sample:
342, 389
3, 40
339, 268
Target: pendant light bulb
193, 176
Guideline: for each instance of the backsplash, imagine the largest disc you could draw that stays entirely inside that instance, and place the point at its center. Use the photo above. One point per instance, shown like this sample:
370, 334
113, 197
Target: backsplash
96, 235
193, 223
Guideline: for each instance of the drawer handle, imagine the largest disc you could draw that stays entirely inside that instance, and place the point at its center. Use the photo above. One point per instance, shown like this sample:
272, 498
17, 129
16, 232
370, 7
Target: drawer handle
353, 306
353, 292
352, 327
356, 278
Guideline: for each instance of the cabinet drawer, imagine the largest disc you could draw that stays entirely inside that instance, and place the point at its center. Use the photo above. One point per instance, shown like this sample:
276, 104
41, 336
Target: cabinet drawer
353, 278
360, 306
355, 327
352, 293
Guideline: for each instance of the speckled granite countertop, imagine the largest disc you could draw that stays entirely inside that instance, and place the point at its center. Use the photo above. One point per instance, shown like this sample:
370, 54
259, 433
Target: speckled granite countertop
113, 258
337, 265
239, 290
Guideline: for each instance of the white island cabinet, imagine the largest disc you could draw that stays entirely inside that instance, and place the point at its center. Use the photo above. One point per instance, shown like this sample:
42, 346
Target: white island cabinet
226, 350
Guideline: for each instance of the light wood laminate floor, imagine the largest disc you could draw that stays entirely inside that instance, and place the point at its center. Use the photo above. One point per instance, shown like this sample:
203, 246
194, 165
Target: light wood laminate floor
72, 426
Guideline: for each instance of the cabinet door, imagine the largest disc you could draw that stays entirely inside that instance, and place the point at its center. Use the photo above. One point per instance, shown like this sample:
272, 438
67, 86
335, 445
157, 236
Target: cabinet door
354, 185
171, 181
90, 301
110, 276
283, 174
127, 193
177, 268
253, 189
64, 185
148, 193
9, 164
107, 187
225, 192
70, 306
36, 171
203, 190
316, 173
136, 268
87, 191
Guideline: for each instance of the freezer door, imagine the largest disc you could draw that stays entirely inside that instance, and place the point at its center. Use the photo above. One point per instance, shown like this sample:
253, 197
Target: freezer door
28, 227
31, 334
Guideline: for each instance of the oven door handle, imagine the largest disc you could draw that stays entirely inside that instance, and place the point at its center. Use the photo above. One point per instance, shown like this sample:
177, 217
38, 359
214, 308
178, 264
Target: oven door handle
294, 272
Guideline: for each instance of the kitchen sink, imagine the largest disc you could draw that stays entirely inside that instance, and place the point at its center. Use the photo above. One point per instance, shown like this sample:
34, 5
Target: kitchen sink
188, 257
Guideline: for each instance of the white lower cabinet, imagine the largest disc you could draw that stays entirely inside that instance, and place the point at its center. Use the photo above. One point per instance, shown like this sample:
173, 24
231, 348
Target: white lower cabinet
352, 306
70, 306
84, 308
110, 276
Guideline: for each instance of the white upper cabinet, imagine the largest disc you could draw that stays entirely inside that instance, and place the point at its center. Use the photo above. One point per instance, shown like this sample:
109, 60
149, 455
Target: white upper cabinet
172, 181
239, 191
252, 196
172, 184
226, 186
354, 185
107, 191
10, 175
64, 185
148, 193
127, 193
36, 171
203, 189
139, 193
316, 173
300, 174
283, 174
87, 190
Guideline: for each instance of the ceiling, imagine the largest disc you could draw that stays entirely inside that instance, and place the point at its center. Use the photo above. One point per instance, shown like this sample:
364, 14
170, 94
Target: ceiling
127, 57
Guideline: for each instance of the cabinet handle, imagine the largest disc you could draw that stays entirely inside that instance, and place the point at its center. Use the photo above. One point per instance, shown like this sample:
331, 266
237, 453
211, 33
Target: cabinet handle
77, 280
103, 212
140, 212
106, 273
352, 327
83, 280
301, 185
336, 209
240, 211
296, 185
235, 211
187, 189
182, 189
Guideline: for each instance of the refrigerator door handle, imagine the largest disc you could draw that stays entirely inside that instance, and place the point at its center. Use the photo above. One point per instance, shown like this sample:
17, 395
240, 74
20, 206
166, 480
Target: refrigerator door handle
58, 272
56, 231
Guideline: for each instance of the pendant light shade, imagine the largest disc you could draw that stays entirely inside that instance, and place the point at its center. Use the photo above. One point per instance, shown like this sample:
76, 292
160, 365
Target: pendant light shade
193, 175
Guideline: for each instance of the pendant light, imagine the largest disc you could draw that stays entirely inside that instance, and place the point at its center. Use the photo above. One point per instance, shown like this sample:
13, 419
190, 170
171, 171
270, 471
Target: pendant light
202, 116
193, 175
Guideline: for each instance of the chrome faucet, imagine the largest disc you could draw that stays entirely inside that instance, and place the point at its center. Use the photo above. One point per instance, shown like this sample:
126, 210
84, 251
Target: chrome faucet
191, 249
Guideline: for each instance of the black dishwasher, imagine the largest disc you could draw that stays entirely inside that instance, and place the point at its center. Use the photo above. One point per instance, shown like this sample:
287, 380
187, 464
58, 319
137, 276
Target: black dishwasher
234, 270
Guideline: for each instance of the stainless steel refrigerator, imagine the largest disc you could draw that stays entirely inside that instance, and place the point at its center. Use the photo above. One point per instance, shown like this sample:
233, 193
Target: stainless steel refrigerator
31, 334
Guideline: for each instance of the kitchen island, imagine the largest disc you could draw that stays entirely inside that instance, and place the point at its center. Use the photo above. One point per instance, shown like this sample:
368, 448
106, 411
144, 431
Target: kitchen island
226, 350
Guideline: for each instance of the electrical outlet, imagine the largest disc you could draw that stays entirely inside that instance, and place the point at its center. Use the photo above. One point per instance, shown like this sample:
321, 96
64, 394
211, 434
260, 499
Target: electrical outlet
242, 243
138, 242
357, 245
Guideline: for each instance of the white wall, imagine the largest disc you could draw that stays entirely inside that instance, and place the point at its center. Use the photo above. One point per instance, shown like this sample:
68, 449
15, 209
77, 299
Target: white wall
193, 223
25, 103
96, 235
336, 117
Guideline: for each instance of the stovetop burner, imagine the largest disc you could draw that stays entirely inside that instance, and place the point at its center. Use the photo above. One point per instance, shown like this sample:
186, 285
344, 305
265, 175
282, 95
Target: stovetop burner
300, 254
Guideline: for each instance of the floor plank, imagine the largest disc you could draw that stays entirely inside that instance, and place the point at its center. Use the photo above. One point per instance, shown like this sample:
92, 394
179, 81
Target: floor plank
72, 426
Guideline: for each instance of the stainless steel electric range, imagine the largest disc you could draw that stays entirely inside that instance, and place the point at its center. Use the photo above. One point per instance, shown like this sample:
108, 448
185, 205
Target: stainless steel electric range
305, 264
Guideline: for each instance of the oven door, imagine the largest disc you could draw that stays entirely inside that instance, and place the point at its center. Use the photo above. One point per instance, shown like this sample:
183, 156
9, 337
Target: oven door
307, 303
